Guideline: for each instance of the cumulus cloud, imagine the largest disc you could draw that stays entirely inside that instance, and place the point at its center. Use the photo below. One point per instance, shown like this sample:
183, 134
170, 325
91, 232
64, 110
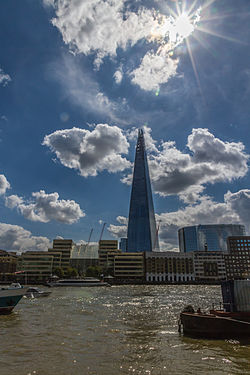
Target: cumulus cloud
4, 78
4, 184
240, 203
210, 160
100, 27
90, 151
46, 207
154, 70
14, 237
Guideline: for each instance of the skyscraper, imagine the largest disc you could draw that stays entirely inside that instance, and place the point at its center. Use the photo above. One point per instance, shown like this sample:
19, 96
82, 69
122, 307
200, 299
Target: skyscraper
142, 233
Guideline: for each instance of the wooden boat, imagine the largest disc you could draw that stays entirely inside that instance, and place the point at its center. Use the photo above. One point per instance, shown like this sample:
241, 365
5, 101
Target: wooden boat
213, 326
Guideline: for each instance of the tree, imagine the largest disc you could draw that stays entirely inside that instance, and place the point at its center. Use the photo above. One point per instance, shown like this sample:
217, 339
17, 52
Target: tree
58, 272
93, 271
71, 272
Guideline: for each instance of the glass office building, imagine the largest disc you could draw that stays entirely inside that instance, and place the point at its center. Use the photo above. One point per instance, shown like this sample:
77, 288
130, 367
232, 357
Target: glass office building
142, 233
208, 237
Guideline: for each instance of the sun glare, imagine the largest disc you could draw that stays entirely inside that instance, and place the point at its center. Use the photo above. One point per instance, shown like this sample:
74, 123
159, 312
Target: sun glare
183, 26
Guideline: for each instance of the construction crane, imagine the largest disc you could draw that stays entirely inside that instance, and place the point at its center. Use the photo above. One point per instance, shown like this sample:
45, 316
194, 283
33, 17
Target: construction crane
102, 231
87, 244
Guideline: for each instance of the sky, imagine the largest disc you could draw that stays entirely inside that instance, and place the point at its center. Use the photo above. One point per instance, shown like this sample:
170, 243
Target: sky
78, 78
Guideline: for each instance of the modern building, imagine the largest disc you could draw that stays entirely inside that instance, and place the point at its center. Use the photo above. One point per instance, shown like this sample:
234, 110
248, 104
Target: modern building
65, 247
129, 266
209, 266
142, 234
35, 266
237, 259
169, 267
8, 262
84, 256
123, 244
208, 237
107, 250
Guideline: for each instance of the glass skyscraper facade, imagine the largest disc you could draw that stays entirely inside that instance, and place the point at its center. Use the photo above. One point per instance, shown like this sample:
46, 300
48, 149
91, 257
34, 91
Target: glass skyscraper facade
142, 233
208, 237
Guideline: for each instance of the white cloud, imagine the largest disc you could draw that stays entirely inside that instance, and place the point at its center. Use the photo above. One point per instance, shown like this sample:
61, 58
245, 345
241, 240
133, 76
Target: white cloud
14, 237
82, 89
4, 184
118, 76
154, 70
209, 160
101, 26
4, 78
240, 203
13, 201
90, 152
46, 207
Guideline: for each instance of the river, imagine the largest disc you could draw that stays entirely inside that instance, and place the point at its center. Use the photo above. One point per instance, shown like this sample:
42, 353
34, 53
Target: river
114, 331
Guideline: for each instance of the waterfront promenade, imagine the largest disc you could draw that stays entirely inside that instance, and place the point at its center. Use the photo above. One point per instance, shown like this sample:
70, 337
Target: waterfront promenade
111, 331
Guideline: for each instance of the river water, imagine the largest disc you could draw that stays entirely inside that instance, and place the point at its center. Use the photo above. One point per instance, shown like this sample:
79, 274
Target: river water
113, 331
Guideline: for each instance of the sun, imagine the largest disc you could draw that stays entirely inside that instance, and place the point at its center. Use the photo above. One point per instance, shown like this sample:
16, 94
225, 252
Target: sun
182, 27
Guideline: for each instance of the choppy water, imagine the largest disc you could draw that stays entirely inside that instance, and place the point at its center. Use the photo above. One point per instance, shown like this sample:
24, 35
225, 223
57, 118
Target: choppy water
113, 331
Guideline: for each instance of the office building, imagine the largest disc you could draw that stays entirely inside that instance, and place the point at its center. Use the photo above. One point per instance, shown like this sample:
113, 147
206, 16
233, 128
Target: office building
129, 266
209, 266
208, 237
65, 247
8, 262
169, 267
84, 256
237, 259
35, 266
142, 234
123, 244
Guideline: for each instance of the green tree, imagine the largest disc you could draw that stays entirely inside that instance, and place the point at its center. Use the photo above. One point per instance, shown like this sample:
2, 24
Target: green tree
71, 272
58, 272
93, 271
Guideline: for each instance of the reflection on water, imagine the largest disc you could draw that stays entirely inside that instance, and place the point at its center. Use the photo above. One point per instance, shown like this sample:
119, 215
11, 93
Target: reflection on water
112, 331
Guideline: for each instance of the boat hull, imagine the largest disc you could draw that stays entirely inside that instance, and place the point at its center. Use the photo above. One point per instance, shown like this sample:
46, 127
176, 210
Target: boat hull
9, 298
213, 327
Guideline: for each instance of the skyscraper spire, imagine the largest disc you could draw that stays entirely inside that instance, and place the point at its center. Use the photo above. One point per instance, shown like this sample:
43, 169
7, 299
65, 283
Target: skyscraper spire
142, 234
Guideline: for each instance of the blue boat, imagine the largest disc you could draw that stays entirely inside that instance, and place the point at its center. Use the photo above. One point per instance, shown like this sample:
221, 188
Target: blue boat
10, 296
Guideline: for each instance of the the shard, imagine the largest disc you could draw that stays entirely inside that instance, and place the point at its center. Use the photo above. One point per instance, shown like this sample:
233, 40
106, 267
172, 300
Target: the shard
142, 233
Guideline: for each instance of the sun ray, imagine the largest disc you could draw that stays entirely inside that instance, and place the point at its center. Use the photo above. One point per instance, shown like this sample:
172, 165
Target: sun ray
194, 66
207, 31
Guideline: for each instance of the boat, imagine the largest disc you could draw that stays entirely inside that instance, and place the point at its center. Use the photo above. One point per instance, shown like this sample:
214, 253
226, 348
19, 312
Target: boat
213, 326
35, 292
87, 281
10, 296
231, 322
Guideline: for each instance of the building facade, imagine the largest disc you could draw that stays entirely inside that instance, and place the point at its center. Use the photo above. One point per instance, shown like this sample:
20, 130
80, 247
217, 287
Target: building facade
65, 248
35, 266
169, 267
142, 234
129, 266
209, 266
237, 259
208, 237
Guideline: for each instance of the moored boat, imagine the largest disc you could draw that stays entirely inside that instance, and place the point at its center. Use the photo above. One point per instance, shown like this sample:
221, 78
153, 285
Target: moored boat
213, 326
87, 281
35, 292
10, 296
231, 322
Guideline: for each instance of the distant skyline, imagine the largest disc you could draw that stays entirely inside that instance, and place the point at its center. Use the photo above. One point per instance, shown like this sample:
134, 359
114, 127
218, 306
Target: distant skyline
77, 80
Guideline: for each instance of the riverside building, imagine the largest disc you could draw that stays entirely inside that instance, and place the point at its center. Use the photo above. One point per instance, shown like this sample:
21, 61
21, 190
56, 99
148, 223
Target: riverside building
142, 234
169, 267
65, 247
207, 237
209, 266
237, 259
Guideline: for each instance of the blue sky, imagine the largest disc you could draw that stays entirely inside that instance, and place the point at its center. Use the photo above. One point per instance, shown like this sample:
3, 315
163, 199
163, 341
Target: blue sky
78, 78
